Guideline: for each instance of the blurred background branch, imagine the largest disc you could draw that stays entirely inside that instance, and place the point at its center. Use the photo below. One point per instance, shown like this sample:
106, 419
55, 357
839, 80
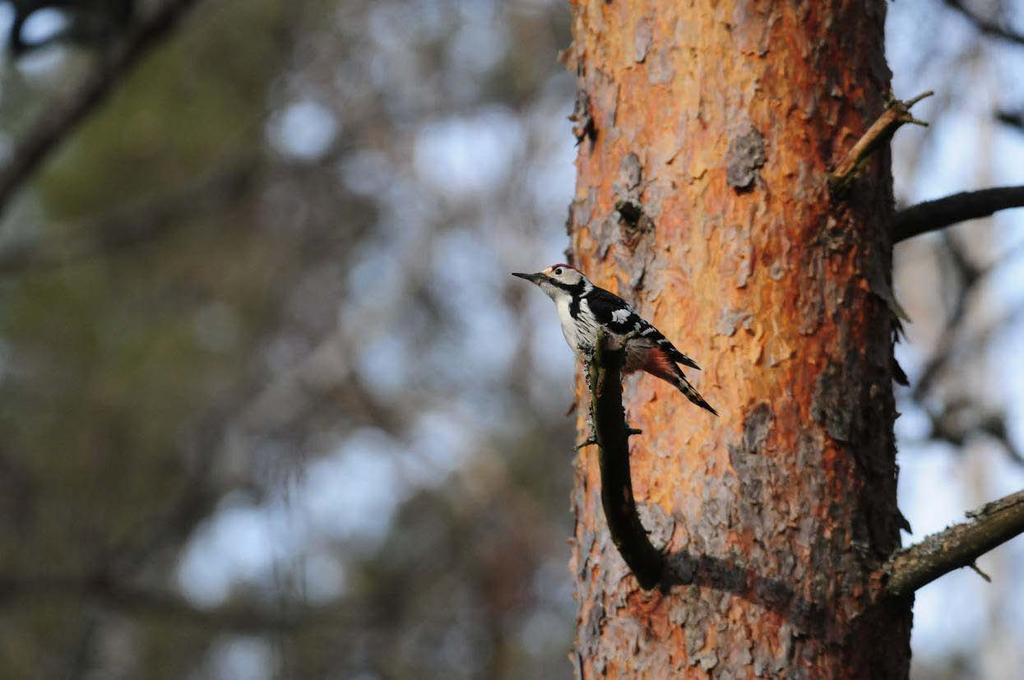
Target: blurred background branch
990, 26
62, 118
165, 606
139, 223
1014, 119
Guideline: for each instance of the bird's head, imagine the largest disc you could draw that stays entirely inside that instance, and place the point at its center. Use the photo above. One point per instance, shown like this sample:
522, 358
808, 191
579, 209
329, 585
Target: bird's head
559, 280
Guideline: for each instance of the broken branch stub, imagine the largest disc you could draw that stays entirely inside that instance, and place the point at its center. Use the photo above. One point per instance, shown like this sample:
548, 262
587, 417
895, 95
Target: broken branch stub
896, 115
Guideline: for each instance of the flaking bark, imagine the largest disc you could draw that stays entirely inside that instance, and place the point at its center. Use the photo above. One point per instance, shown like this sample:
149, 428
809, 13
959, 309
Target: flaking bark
718, 124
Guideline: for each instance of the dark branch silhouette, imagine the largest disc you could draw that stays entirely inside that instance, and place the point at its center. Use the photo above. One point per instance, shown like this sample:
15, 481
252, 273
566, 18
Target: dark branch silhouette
64, 117
943, 212
958, 546
1014, 119
611, 435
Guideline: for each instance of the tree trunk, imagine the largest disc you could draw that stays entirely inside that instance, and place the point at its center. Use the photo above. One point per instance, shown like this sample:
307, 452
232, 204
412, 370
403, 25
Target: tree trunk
707, 130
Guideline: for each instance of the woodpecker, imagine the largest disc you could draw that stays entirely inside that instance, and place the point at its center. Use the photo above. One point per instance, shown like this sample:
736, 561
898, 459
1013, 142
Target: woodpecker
583, 308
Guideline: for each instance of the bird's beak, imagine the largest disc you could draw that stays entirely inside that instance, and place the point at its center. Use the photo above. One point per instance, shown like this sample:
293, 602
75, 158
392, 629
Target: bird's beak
532, 278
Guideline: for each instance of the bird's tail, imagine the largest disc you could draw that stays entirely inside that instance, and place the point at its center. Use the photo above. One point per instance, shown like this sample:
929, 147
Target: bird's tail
684, 386
660, 364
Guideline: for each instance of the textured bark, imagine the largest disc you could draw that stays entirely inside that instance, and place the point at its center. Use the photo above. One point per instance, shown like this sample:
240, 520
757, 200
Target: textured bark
707, 131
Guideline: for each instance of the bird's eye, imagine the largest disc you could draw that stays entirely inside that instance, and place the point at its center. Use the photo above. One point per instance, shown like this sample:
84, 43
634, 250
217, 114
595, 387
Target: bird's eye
558, 272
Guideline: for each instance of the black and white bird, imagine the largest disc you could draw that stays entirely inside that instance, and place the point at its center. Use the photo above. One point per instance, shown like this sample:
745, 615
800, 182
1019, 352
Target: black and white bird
583, 308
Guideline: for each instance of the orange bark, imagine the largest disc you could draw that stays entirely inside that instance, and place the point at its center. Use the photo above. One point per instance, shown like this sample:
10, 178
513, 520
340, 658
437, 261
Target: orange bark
707, 133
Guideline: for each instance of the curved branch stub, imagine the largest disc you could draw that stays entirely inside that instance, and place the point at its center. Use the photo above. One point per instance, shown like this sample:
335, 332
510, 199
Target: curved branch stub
612, 437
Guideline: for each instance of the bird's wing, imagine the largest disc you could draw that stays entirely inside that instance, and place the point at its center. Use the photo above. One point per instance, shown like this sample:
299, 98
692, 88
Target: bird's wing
612, 312
618, 316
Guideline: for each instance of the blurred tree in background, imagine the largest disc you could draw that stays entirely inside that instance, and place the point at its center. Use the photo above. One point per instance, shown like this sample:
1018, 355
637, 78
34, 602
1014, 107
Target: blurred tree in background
270, 406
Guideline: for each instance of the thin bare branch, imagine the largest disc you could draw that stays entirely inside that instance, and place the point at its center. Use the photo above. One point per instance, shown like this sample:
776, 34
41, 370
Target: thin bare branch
896, 115
943, 212
64, 117
958, 546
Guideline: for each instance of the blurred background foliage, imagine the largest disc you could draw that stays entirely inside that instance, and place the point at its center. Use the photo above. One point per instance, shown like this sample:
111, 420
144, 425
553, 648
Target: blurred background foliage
270, 406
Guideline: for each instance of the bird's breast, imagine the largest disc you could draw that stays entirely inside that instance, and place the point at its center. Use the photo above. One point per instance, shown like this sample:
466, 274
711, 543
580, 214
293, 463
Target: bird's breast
567, 322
